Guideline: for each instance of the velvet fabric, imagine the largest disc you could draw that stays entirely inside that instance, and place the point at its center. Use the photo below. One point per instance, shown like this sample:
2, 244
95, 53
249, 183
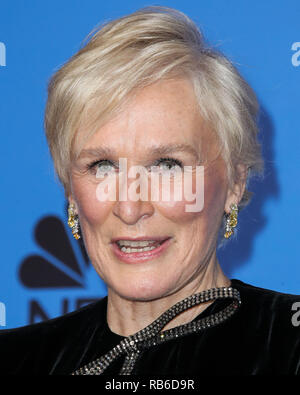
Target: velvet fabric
259, 339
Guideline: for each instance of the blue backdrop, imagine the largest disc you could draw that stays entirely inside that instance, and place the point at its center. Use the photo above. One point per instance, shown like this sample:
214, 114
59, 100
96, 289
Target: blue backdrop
44, 272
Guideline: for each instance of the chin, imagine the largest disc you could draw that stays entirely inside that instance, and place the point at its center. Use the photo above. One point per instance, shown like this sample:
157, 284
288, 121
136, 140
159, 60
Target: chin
142, 291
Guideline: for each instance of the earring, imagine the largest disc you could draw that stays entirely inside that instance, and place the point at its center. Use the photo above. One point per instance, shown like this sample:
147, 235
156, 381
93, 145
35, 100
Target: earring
231, 220
73, 221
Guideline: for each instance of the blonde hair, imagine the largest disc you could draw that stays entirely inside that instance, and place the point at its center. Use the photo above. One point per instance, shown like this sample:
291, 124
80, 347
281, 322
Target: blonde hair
132, 52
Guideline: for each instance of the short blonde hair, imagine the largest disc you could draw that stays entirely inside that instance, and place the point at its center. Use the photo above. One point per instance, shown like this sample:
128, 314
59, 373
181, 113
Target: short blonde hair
132, 52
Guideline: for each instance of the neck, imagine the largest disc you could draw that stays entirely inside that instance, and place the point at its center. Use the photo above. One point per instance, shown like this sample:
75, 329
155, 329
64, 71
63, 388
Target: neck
126, 317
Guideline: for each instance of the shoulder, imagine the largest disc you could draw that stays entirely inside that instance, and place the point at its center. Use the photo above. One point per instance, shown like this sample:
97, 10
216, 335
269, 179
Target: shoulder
23, 349
270, 320
275, 307
88, 313
267, 299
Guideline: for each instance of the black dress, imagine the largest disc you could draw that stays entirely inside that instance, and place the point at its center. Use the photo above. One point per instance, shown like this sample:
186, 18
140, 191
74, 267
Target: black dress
261, 338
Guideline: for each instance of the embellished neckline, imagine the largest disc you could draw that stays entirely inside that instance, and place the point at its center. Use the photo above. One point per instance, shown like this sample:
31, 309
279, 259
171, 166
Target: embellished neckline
211, 308
153, 334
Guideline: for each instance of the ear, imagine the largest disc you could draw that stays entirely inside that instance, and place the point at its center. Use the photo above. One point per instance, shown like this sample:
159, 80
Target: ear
235, 193
71, 200
69, 197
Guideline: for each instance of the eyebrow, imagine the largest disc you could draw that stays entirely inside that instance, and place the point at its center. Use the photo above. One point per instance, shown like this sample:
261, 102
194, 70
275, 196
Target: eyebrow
159, 150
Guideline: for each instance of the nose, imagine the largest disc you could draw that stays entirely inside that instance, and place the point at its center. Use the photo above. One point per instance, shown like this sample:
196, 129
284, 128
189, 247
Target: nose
130, 212
134, 207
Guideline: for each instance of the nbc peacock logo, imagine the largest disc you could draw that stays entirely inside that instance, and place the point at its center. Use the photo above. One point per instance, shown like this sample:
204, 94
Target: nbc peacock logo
58, 273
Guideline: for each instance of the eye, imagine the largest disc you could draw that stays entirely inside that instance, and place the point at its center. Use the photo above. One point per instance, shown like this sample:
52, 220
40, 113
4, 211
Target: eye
169, 165
102, 167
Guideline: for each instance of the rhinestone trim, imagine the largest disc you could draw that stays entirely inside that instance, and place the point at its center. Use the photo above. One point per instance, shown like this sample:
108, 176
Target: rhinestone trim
152, 335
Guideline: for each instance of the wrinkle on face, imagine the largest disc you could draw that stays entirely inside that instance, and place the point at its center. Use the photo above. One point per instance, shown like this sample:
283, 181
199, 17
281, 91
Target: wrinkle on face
160, 115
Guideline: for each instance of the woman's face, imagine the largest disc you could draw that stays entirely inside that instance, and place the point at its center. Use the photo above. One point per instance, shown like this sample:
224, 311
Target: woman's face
161, 121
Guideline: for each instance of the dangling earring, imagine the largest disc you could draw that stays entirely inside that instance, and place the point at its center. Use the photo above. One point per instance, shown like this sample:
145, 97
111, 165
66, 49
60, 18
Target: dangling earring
231, 220
73, 221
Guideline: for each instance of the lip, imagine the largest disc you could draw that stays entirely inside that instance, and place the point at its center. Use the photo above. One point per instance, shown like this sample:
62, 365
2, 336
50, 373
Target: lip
141, 238
137, 257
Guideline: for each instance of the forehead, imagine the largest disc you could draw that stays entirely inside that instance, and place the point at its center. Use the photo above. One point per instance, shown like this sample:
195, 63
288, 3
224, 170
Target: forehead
161, 114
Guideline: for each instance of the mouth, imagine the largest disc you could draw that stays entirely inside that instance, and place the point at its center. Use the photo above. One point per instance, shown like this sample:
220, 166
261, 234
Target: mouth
139, 249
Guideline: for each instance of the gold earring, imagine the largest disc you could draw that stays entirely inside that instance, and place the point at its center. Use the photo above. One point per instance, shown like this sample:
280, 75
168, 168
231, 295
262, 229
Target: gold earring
231, 221
73, 221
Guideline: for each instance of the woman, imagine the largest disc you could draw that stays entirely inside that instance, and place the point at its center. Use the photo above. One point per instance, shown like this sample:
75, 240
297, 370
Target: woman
146, 97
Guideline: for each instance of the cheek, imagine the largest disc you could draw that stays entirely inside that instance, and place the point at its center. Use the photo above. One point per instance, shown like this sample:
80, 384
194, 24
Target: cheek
90, 209
185, 203
214, 198
208, 202
175, 211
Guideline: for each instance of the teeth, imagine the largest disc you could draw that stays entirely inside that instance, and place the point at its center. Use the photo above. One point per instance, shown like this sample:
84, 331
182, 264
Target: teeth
133, 244
127, 250
129, 246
